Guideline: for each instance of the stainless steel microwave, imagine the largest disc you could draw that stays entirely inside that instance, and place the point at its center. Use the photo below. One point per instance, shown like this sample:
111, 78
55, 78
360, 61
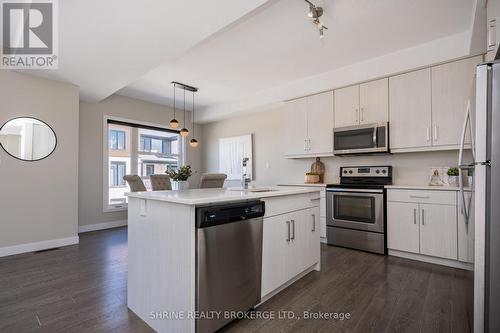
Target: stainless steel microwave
361, 139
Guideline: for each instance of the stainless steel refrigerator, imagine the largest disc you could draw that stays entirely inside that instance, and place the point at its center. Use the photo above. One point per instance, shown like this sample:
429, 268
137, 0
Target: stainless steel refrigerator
486, 169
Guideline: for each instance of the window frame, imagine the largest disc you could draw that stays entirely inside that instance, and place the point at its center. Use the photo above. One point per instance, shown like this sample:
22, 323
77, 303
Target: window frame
134, 150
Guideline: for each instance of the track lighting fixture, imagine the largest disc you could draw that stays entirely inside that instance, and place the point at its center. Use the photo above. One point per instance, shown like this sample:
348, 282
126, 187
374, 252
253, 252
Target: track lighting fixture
315, 12
184, 132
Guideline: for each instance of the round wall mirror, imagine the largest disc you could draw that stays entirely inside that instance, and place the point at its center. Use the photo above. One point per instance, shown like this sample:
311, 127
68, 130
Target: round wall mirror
27, 139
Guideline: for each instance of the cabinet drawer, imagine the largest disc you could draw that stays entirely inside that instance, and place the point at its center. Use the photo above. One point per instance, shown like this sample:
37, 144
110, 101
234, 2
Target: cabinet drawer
289, 203
422, 196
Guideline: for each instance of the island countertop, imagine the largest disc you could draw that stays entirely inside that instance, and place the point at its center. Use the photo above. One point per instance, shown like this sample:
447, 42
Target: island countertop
217, 195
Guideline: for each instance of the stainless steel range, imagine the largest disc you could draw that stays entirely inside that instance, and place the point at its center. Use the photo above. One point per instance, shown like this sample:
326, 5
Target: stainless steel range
356, 208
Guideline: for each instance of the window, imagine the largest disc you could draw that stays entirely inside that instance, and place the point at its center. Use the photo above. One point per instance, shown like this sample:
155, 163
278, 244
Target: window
136, 149
117, 171
150, 169
117, 140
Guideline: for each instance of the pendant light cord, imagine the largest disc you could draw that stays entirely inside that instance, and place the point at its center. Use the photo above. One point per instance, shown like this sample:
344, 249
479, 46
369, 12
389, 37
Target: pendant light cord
175, 86
192, 116
184, 108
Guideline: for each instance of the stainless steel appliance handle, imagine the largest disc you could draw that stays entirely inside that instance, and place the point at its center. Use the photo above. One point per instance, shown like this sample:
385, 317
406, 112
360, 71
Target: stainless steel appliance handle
288, 231
314, 222
423, 216
293, 229
467, 120
353, 190
375, 137
414, 216
419, 197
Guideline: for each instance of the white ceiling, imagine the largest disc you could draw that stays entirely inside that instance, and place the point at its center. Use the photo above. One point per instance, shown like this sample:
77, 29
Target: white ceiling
234, 49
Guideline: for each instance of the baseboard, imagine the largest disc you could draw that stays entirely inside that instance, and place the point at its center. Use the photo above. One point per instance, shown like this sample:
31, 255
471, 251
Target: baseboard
432, 260
37, 246
102, 226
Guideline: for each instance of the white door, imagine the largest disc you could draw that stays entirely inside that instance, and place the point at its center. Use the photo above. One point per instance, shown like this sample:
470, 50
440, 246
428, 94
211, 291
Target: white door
374, 102
347, 106
451, 89
403, 227
312, 231
320, 123
410, 109
298, 244
438, 231
465, 231
275, 248
296, 127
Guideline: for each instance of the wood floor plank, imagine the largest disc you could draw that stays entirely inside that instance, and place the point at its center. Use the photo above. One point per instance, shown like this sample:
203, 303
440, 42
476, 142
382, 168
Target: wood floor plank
84, 289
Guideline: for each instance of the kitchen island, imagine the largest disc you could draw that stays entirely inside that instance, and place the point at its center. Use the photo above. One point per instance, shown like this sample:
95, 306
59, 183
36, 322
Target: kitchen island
162, 247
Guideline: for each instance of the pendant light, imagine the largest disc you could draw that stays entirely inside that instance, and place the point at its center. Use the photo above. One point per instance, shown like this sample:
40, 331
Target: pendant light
184, 130
193, 143
174, 123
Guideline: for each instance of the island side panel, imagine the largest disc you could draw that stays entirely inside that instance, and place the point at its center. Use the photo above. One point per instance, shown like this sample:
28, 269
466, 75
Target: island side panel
161, 263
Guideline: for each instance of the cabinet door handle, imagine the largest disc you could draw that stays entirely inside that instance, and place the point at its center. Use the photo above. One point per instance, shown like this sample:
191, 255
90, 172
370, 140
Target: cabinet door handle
293, 229
305, 144
428, 130
415, 216
435, 132
423, 217
288, 231
357, 115
314, 222
308, 144
419, 197
362, 114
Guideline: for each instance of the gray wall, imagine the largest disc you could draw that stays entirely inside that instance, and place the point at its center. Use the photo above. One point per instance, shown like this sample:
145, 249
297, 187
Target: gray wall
39, 200
90, 210
269, 146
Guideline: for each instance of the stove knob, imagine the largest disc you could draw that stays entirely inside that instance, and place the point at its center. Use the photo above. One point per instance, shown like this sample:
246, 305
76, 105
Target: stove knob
384, 171
378, 171
345, 171
350, 171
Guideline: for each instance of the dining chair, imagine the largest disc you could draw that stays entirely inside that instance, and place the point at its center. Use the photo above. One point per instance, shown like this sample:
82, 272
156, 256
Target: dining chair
135, 183
212, 180
160, 183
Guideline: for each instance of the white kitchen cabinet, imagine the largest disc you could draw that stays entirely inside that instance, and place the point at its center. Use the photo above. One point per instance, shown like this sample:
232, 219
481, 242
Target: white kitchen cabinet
274, 252
347, 106
410, 110
403, 229
320, 123
310, 126
296, 122
465, 231
452, 85
374, 102
438, 231
290, 246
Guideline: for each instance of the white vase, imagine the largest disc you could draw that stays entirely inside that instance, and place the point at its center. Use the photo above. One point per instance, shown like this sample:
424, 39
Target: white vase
453, 180
180, 185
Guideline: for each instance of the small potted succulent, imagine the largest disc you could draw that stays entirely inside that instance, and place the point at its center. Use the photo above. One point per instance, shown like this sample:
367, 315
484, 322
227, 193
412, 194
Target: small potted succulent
453, 176
312, 178
179, 177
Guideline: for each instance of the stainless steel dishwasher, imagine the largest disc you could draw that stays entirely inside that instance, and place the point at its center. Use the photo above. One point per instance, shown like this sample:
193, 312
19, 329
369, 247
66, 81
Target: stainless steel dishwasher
228, 261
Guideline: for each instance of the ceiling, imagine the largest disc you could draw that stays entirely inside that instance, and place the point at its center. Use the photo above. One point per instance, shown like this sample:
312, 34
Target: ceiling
234, 49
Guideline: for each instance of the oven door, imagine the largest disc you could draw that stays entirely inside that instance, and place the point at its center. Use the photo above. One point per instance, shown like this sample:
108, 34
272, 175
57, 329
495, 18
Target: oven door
355, 209
361, 139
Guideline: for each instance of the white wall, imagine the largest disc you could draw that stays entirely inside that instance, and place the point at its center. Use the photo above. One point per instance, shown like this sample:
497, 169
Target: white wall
90, 210
269, 146
39, 200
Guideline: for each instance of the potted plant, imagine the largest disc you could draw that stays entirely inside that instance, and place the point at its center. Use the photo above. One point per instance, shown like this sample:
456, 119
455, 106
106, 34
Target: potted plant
311, 178
453, 176
179, 177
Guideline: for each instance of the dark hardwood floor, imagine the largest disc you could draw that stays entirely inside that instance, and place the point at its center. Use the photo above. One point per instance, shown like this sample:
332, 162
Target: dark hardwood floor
83, 289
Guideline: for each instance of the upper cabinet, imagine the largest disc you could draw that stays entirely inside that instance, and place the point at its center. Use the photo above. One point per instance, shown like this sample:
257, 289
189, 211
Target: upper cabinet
410, 104
310, 126
427, 107
366, 103
452, 86
374, 102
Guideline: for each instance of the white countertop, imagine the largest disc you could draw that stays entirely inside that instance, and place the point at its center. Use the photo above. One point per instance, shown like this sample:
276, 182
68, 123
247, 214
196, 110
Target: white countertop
217, 195
304, 184
425, 187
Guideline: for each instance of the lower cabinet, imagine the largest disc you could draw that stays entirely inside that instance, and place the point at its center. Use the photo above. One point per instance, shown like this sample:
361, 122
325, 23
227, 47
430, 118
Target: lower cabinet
427, 224
291, 244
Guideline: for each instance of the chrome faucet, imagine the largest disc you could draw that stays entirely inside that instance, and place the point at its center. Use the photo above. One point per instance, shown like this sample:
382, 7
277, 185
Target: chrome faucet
244, 177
